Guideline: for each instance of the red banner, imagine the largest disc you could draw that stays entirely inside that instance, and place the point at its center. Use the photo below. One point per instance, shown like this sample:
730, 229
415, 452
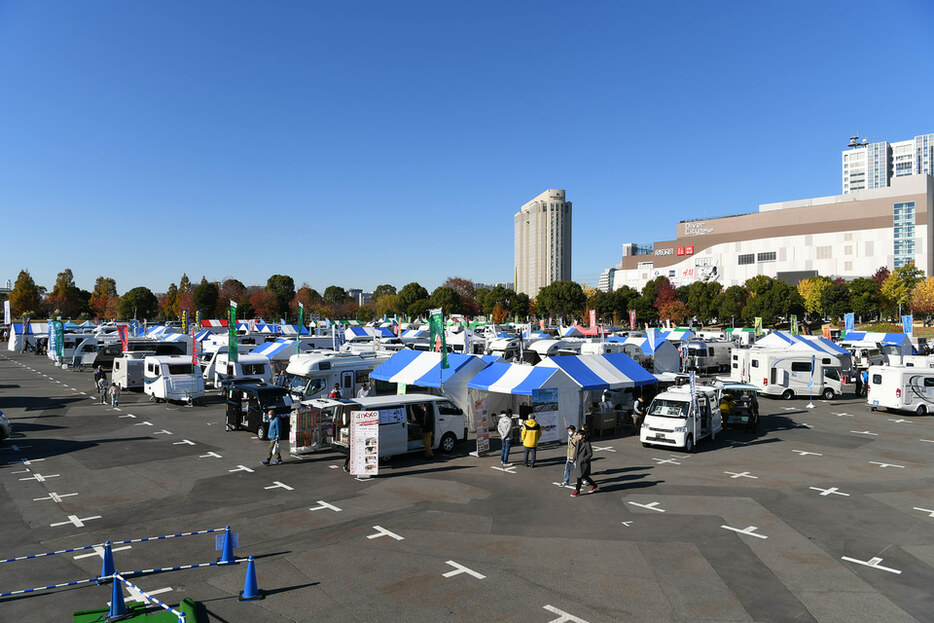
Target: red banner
194, 347
123, 331
632, 319
593, 318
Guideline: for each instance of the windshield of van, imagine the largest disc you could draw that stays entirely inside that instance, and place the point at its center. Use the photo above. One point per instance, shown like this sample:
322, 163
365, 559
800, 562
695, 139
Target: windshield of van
272, 399
669, 408
180, 368
305, 386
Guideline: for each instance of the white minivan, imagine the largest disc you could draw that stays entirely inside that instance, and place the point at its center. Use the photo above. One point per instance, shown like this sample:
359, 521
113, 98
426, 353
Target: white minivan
673, 420
401, 419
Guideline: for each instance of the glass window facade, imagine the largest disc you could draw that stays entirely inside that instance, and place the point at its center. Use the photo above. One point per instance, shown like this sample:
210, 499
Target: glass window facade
904, 233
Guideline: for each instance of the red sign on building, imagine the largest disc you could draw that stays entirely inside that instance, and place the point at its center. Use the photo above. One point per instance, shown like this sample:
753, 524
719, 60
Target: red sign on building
689, 250
680, 251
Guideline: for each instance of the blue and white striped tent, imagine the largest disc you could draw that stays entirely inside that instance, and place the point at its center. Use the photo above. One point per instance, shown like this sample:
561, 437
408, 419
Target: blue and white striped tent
200, 336
158, 330
293, 329
809, 343
598, 372
671, 335
900, 340
278, 350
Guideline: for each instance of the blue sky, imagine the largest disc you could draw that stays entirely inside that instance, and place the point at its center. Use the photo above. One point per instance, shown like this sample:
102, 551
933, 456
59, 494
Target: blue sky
360, 143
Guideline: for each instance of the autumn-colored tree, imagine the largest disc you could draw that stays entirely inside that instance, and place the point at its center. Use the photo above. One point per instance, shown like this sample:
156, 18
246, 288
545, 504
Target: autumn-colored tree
307, 296
897, 287
387, 305
168, 303
922, 298
65, 299
26, 297
674, 310
264, 304
811, 290
105, 288
881, 275
499, 314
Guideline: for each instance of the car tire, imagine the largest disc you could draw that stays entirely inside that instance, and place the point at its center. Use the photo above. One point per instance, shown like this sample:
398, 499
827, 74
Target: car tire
921, 410
448, 442
827, 394
645, 444
689, 444
788, 394
261, 432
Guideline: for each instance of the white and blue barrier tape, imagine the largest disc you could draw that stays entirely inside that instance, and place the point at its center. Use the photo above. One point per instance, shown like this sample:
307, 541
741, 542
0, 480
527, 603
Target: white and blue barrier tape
150, 598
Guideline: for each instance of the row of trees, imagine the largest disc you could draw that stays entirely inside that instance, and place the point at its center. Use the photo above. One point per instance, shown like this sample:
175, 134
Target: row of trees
884, 294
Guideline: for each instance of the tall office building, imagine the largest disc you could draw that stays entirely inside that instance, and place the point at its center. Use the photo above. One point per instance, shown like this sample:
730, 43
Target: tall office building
542, 242
874, 165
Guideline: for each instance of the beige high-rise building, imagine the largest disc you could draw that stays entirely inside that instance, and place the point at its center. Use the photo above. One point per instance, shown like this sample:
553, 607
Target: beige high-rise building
543, 242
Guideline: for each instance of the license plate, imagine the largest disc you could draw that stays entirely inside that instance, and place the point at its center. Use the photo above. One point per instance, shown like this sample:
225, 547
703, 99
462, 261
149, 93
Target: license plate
659, 436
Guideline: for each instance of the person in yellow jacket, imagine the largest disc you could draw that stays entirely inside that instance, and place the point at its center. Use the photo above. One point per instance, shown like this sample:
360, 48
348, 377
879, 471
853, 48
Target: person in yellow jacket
531, 433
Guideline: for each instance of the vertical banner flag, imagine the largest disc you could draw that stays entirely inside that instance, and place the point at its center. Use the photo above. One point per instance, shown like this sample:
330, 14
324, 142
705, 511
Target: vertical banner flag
541, 324
794, 324
632, 320
123, 330
693, 406
232, 351
481, 418
301, 325
335, 345
593, 318
758, 326
198, 319
436, 335
7, 319
57, 338
907, 322
811, 378
194, 348
468, 341
848, 321
185, 321
364, 440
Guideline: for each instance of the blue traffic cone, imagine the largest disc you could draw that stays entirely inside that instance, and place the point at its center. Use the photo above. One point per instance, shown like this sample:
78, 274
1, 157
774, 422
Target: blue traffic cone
227, 548
107, 565
118, 609
250, 592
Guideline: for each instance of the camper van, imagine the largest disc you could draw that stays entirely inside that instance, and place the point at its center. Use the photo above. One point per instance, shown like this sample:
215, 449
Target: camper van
707, 356
900, 388
787, 373
911, 361
505, 347
313, 375
171, 378
248, 404
247, 367
127, 370
400, 423
673, 419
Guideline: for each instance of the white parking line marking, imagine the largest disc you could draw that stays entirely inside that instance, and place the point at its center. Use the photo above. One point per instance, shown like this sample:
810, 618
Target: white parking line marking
563, 617
508, 470
278, 485
241, 468
603, 449
661, 461
740, 475
143, 424
927, 440
898, 421
459, 568
789, 408
652, 506
831, 490
73, 519
380, 531
183, 441
842, 415
55, 497
872, 562
40, 477
325, 505
887, 464
750, 531
136, 595
25, 462
210, 455
925, 510
806, 453
626, 523
163, 432
864, 432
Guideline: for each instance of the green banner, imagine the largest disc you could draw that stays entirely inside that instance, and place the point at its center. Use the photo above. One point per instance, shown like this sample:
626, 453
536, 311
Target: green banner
301, 323
58, 330
794, 325
436, 325
758, 325
232, 333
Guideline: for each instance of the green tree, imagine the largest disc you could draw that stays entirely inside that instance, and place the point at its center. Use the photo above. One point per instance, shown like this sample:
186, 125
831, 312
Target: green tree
387, 305
382, 290
521, 305
335, 295
204, 296
896, 289
418, 309
411, 293
730, 302
184, 284
770, 299
65, 299
864, 297
169, 309
26, 297
447, 299
283, 288
479, 295
504, 297
700, 299
812, 292
835, 301
561, 299
139, 303
467, 293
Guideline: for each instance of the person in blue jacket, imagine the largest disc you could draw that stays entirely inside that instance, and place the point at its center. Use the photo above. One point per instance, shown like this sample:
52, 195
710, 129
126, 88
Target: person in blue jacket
273, 435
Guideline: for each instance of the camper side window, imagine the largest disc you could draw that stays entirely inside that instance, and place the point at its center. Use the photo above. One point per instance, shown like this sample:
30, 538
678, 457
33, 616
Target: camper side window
800, 366
929, 381
876, 379
754, 363
825, 361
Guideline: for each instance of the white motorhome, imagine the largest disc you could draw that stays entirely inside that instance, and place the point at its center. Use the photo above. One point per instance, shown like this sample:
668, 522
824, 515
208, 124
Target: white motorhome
128, 370
787, 373
208, 361
313, 375
707, 356
172, 377
247, 367
864, 353
901, 388
505, 347
401, 419
911, 361
550, 347
675, 420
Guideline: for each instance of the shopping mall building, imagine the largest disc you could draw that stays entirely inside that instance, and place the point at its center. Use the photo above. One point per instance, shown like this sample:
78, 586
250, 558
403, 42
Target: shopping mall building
849, 235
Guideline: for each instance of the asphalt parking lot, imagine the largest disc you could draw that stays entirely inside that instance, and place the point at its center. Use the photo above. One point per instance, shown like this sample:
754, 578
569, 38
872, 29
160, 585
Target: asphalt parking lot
823, 514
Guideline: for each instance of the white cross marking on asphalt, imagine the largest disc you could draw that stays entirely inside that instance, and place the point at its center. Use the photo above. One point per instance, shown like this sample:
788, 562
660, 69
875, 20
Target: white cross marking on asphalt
563, 617
127, 415
380, 531
241, 468
751, 531
603, 448
842, 415
73, 519
872, 562
652, 506
831, 490
864, 432
325, 505
183, 441
804, 425
661, 461
55, 497
278, 485
99, 551
136, 595
40, 477
789, 408
887, 464
925, 510
210, 455
927, 440
898, 421
458, 569
626, 523
740, 475
143, 424
806, 453
24, 462
117, 409
508, 470
163, 432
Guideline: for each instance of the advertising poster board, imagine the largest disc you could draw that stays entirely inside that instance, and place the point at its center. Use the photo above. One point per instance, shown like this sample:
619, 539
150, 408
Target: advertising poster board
364, 443
309, 430
482, 419
545, 407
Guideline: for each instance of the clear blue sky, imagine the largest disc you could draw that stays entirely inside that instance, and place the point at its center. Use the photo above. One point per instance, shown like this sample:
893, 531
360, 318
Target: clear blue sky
360, 143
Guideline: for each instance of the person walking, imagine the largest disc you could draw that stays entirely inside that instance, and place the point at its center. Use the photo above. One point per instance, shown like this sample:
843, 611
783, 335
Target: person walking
582, 458
638, 414
364, 391
102, 389
99, 374
114, 393
865, 375
273, 435
504, 428
859, 383
572, 450
531, 433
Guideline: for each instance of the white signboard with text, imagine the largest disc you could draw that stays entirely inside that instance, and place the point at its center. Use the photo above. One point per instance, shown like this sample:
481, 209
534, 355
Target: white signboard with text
364, 443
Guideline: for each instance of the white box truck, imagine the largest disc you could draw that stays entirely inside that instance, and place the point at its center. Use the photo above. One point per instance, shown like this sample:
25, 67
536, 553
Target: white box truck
675, 420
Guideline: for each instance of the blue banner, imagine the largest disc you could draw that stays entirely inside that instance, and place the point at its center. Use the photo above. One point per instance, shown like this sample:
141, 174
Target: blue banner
907, 321
848, 321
